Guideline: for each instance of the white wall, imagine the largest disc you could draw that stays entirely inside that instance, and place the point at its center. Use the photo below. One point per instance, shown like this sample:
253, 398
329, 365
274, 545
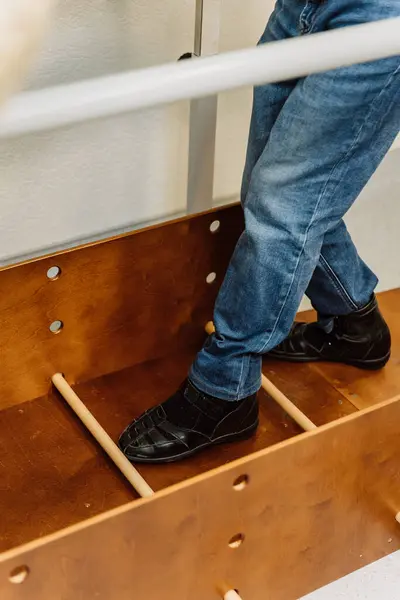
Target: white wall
81, 182
71, 184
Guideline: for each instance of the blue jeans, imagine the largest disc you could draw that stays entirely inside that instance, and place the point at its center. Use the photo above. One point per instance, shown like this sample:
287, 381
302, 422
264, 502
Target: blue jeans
314, 144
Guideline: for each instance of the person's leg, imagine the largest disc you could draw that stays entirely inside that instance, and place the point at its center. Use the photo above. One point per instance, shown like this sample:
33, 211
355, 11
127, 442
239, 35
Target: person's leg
350, 328
167, 432
342, 291
268, 100
329, 138
341, 282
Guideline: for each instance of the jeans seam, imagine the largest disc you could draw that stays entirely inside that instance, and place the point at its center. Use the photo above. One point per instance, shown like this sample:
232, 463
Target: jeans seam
302, 21
336, 282
307, 17
342, 160
246, 357
365, 121
293, 276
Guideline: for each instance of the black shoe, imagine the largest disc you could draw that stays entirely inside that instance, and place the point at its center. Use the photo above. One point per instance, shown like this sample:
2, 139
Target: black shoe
186, 423
361, 339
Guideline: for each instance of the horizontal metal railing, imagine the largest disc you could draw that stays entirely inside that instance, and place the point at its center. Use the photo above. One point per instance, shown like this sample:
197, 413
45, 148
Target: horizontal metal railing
81, 101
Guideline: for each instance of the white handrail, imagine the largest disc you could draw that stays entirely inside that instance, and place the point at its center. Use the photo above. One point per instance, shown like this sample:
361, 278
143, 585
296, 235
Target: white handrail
279, 61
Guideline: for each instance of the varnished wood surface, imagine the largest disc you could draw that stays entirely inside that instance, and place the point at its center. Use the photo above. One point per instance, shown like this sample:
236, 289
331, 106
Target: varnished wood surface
122, 302
315, 508
51, 469
366, 388
324, 503
311, 392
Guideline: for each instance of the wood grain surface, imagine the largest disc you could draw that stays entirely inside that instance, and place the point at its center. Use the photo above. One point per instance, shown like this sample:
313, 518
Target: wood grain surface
51, 469
366, 388
133, 310
123, 301
315, 508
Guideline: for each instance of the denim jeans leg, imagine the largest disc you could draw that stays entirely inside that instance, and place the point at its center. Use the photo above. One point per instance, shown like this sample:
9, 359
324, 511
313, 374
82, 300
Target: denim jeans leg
329, 137
268, 100
341, 282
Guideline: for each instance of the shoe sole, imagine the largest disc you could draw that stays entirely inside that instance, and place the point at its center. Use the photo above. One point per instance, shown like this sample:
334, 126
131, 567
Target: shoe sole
230, 438
368, 365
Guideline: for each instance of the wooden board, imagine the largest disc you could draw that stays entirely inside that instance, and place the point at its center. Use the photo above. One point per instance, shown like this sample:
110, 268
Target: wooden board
310, 391
52, 469
366, 388
142, 296
349, 385
315, 508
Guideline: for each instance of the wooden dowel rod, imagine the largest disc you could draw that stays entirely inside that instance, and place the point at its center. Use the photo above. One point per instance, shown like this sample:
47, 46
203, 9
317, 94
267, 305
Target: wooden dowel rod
232, 595
291, 409
123, 464
210, 329
288, 406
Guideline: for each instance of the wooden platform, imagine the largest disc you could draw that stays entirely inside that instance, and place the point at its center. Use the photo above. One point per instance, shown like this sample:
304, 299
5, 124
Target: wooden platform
53, 474
314, 506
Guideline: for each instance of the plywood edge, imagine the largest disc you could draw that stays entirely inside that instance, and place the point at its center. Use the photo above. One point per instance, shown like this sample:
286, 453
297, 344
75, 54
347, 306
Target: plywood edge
236, 465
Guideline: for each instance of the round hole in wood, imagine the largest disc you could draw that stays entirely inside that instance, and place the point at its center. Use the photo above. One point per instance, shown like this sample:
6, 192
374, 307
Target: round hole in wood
19, 574
211, 277
53, 273
215, 226
236, 541
240, 482
56, 326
